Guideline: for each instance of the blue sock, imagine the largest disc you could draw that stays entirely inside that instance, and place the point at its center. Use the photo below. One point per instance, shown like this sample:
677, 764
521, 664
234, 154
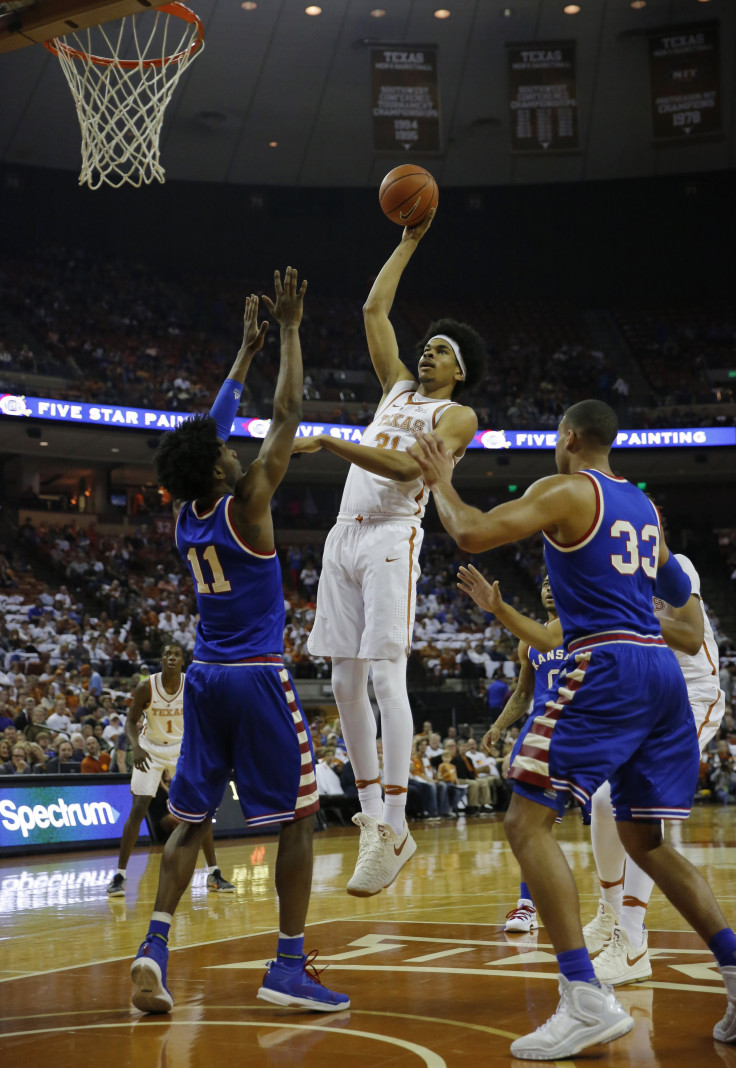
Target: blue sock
576, 966
159, 929
290, 951
525, 892
723, 947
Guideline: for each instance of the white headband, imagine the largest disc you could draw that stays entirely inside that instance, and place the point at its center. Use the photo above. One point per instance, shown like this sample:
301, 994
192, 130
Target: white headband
456, 349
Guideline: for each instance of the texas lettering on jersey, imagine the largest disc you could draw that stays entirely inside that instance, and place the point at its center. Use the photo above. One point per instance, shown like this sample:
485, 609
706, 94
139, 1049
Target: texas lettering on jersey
400, 422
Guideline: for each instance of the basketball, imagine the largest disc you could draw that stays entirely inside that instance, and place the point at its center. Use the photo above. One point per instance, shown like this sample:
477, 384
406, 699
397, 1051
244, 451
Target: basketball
407, 193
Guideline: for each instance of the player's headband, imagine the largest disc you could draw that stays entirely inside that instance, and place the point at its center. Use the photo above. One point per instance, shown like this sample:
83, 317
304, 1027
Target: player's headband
456, 349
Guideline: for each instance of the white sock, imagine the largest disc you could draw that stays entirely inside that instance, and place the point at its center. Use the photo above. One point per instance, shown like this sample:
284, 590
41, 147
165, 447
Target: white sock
211, 868
609, 853
163, 917
397, 732
350, 686
638, 888
121, 871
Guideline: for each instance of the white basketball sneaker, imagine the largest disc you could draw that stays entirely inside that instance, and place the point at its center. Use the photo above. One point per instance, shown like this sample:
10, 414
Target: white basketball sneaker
381, 856
522, 919
599, 930
725, 1031
618, 962
585, 1016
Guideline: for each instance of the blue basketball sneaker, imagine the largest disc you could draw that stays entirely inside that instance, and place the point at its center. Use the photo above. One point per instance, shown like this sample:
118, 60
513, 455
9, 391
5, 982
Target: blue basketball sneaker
148, 972
300, 987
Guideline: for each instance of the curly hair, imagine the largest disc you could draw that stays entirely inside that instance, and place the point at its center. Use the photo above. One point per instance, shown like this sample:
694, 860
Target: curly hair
472, 348
185, 458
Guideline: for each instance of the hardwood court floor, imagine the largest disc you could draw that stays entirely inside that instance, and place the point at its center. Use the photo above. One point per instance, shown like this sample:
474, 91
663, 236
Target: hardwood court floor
432, 978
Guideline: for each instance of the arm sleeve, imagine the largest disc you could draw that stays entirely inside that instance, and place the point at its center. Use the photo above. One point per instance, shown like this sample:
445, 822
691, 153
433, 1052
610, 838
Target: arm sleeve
225, 406
672, 584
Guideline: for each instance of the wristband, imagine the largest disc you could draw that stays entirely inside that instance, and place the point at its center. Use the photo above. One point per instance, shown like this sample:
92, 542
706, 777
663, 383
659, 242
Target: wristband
672, 584
224, 409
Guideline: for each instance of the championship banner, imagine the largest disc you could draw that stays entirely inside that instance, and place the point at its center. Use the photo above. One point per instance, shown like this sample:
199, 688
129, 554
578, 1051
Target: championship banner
543, 96
406, 106
684, 75
119, 417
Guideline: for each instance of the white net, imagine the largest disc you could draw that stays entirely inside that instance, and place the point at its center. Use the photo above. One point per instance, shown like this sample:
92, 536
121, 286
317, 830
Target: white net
122, 76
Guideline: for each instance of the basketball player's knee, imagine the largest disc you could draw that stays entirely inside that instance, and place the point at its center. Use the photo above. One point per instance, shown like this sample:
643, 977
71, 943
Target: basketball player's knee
140, 807
348, 682
601, 807
514, 826
640, 840
389, 680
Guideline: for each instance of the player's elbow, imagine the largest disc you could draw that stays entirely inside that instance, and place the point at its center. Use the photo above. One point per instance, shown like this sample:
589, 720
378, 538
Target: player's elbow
372, 310
470, 540
287, 409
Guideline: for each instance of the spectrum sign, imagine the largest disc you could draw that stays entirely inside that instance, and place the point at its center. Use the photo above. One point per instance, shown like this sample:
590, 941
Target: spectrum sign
33, 816
121, 417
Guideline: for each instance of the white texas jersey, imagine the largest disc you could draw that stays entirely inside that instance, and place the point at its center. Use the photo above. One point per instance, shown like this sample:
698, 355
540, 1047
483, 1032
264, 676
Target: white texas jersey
164, 722
401, 413
701, 670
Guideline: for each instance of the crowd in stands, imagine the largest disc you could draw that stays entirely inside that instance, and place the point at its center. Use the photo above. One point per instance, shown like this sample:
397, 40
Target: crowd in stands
149, 342
71, 656
681, 347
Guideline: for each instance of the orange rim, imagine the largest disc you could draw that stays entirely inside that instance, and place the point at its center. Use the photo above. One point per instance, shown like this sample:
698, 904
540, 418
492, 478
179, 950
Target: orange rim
58, 47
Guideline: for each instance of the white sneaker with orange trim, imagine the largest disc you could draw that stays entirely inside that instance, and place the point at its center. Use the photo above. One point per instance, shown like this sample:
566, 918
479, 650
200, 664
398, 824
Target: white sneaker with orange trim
598, 932
619, 963
381, 856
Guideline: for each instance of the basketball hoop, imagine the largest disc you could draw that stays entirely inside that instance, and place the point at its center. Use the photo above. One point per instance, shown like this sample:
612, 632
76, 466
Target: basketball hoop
121, 82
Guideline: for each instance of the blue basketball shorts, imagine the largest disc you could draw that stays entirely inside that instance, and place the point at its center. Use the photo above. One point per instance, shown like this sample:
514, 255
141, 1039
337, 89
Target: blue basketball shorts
622, 714
244, 721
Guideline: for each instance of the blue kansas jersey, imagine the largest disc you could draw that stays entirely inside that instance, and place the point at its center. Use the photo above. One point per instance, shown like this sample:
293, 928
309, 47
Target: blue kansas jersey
546, 669
604, 582
239, 590
529, 755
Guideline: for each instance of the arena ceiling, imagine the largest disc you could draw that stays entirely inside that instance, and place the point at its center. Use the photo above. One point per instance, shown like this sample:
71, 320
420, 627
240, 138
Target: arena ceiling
274, 74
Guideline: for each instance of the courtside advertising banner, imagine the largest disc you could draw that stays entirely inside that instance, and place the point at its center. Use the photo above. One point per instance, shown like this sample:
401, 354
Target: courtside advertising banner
36, 814
406, 99
685, 82
119, 417
543, 96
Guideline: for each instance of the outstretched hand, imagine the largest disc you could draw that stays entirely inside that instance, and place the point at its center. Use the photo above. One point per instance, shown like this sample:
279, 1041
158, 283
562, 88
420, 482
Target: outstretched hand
485, 594
253, 334
416, 233
435, 462
287, 311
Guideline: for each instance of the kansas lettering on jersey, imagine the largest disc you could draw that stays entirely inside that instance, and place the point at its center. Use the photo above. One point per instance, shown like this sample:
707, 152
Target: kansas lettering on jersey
398, 418
546, 669
700, 670
604, 582
530, 762
164, 715
238, 589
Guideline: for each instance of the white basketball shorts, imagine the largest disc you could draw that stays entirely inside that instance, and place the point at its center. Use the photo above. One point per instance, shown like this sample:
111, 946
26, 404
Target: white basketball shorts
366, 598
708, 713
161, 759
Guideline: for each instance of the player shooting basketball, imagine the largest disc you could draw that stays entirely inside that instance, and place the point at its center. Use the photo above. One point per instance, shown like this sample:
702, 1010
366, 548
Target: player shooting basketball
367, 591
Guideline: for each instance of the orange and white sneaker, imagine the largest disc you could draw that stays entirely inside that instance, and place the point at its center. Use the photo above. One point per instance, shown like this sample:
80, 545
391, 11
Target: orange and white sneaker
522, 919
598, 932
381, 856
619, 963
